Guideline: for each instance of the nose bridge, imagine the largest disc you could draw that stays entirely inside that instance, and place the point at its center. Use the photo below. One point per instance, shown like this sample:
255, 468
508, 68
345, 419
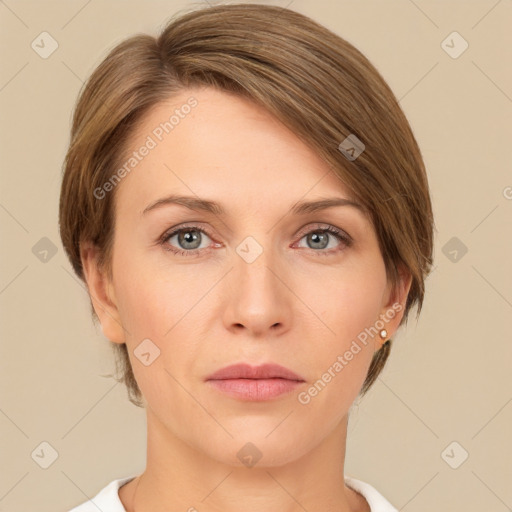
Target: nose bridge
255, 265
258, 297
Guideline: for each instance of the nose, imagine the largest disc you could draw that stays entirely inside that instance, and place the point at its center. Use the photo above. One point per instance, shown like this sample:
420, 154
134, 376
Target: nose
258, 300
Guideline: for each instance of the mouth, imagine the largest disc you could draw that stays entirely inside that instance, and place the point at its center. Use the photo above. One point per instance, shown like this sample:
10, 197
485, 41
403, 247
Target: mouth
255, 383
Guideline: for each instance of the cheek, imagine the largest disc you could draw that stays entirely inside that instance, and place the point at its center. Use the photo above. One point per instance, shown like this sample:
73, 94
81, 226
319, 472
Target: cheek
157, 306
160, 342
153, 299
345, 303
346, 312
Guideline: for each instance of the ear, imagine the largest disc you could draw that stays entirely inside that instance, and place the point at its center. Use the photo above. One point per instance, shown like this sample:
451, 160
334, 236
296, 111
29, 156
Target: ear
102, 295
394, 304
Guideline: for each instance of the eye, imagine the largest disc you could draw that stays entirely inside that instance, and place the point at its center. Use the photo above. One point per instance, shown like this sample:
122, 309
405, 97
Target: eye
188, 240
319, 239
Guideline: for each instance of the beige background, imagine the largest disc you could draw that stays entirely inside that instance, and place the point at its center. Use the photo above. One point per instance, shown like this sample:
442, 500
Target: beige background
449, 377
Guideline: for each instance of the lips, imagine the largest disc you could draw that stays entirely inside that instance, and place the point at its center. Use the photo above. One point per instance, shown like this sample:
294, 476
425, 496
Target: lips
246, 371
254, 383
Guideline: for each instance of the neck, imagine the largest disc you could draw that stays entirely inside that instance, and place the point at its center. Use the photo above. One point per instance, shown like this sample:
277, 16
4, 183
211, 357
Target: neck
178, 477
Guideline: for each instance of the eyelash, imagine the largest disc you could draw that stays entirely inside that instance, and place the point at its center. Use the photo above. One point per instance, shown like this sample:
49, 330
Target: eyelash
163, 241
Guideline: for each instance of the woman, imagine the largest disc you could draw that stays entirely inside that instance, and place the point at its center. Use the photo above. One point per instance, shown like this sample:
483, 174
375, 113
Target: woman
249, 209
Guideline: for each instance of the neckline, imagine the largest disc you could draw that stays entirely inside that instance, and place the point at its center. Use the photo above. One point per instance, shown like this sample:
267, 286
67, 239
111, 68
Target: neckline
364, 489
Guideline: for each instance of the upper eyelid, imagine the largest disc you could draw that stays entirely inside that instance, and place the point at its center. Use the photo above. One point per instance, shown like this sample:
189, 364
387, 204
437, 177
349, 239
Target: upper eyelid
307, 227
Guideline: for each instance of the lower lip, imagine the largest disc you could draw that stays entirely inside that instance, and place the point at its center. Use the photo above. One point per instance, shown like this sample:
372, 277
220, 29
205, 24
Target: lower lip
255, 389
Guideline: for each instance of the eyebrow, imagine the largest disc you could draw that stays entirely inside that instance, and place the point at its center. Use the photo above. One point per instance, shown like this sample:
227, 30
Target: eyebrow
299, 208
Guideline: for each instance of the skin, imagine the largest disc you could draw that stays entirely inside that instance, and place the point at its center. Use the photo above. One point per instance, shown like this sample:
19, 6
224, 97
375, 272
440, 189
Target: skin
298, 305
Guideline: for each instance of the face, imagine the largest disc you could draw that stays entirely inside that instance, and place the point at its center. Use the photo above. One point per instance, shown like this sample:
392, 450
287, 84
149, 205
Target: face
197, 290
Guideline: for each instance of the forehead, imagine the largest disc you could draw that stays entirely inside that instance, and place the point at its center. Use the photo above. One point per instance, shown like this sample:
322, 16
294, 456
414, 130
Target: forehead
210, 143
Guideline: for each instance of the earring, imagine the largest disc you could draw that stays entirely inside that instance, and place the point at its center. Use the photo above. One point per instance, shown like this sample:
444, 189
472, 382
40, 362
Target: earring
383, 334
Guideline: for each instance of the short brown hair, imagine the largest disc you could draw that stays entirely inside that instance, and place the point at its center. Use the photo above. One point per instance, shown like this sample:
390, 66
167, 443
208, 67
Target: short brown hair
312, 80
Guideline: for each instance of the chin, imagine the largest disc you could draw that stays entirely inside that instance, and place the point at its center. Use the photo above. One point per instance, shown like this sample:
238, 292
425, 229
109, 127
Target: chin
254, 450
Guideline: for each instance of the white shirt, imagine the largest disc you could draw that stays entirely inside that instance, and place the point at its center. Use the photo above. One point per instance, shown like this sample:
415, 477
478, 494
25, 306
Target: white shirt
107, 500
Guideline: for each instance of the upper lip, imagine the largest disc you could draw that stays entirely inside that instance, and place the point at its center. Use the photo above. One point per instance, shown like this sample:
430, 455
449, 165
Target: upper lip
246, 371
